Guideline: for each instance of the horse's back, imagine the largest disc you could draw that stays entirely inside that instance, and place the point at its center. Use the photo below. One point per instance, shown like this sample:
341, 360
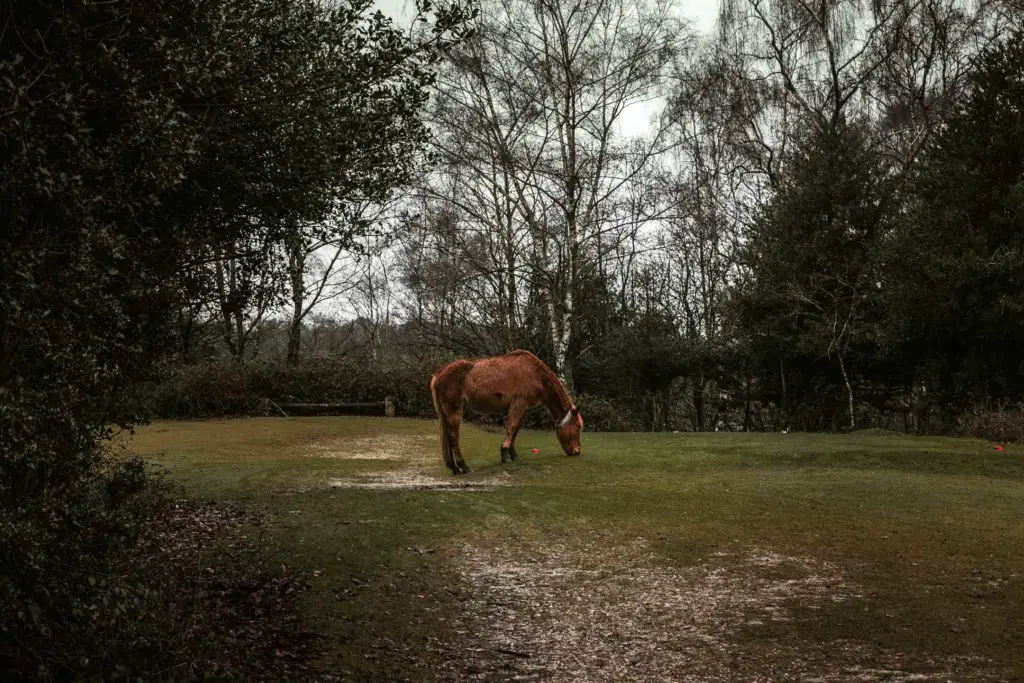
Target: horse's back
496, 382
523, 355
492, 384
457, 369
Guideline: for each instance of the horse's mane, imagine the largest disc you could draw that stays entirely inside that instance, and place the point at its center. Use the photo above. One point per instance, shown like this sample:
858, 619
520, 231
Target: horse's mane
552, 380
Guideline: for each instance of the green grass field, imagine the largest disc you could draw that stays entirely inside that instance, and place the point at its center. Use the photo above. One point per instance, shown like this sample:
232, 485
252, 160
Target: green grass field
687, 557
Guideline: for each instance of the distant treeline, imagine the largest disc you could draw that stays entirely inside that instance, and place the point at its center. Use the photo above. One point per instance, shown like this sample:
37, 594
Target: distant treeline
825, 237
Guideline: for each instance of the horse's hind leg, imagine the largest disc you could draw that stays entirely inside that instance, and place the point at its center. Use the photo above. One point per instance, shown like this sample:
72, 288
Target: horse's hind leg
458, 465
516, 413
449, 460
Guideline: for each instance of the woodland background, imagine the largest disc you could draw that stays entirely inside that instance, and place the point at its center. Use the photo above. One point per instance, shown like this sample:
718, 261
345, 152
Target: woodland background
204, 203
806, 220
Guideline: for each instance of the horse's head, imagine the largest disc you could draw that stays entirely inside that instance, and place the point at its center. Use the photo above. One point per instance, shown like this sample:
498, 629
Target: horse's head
568, 431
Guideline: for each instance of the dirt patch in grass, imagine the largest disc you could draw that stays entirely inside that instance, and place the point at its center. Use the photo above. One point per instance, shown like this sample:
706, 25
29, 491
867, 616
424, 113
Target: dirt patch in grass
414, 454
415, 481
592, 613
406, 448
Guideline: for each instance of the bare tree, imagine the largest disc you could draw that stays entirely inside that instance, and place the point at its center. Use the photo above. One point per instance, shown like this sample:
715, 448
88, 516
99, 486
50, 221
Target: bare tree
927, 67
532, 149
248, 287
371, 296
450, 293
787, 65
322, 258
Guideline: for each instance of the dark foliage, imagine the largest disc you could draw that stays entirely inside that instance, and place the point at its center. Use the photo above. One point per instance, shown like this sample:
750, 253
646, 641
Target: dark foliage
165, 590
900, 290
137, 139
956, 266
230, 389
995, 423
810, 297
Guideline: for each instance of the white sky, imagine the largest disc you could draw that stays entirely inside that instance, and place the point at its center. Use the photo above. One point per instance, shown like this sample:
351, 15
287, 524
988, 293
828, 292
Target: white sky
636, 119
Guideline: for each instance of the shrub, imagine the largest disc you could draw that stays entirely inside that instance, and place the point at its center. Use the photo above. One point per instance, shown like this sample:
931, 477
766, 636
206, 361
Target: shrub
236, 389
608, 415
115, 581
1001, 423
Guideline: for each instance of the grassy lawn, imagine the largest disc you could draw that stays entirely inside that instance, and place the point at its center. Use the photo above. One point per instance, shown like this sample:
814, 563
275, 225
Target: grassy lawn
653, 557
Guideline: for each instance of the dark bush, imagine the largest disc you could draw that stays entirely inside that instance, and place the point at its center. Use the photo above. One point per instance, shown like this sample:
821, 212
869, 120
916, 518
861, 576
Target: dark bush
230, 389
114, 581
208, 390
1001, 423
602, 414
236, 389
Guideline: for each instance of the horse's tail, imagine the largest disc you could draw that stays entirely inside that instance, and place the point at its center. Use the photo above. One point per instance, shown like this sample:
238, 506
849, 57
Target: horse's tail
446, 444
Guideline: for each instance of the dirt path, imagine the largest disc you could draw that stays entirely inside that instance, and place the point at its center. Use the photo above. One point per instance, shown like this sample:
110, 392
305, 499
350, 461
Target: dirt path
567, 614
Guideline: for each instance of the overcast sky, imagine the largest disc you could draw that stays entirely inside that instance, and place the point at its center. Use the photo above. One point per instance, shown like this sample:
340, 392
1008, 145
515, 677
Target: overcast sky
636, 119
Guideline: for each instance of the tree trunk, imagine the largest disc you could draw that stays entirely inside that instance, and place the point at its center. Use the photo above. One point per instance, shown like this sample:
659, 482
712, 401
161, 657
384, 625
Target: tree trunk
698, 404
186, 324
849, 388
746, 404
782, 379
512, 321
560, 338
224, 293
240, 336
294, 340
296, 273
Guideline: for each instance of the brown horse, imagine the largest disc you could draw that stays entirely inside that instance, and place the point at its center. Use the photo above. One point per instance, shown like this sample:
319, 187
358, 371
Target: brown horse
515, 382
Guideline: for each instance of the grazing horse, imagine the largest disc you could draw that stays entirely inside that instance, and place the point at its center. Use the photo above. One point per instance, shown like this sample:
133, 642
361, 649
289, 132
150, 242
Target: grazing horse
515, 382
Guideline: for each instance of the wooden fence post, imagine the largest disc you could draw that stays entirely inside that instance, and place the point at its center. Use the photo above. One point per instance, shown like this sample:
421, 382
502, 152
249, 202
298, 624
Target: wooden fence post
389, 406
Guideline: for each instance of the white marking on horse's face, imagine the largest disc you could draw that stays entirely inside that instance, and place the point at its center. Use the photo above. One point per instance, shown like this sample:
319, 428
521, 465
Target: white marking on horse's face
569, 437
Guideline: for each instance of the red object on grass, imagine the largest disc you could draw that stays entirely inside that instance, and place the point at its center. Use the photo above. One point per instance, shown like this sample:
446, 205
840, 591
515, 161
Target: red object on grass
536, 450
999, 447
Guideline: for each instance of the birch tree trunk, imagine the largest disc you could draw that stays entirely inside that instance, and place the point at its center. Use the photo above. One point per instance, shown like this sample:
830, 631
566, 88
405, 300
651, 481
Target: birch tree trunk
849, 388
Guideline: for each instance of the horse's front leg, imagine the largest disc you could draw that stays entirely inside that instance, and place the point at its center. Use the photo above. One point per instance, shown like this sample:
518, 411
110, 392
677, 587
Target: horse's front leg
516, 413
